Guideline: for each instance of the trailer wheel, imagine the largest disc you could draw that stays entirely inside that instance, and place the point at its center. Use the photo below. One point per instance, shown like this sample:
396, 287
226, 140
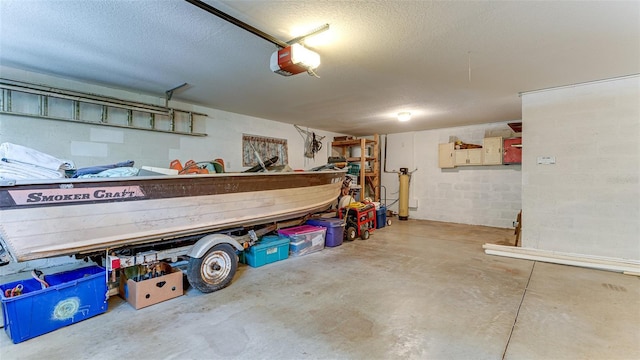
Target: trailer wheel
351, 233
214, 270
365, 234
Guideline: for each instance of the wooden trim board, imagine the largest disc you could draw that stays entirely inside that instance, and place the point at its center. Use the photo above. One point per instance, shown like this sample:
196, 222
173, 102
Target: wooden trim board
587, 261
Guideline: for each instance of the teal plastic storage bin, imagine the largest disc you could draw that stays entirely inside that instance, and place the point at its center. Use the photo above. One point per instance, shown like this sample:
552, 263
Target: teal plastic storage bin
72, 296
270, 248
354, 169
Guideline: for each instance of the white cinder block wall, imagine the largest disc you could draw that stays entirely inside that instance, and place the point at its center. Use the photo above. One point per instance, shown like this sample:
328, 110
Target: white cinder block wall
89, 145
588, 202
478, 195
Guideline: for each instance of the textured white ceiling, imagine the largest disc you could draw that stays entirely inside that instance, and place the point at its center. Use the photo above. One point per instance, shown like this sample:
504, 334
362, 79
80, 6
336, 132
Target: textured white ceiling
450, 63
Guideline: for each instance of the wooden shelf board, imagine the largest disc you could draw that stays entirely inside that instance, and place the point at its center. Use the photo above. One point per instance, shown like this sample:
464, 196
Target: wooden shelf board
357, 159
351, 142
516, 126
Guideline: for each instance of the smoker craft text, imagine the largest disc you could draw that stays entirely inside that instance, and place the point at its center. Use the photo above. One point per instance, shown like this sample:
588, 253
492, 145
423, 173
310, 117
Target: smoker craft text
27, 197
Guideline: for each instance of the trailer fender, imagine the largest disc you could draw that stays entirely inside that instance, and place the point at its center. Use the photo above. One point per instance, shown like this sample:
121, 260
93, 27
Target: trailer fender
5, 256
203, 245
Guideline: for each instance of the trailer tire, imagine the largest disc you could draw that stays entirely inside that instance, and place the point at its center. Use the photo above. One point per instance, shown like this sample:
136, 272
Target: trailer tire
214, 270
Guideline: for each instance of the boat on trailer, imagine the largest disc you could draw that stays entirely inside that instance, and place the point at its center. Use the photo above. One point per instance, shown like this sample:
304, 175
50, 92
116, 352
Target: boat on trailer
49, 218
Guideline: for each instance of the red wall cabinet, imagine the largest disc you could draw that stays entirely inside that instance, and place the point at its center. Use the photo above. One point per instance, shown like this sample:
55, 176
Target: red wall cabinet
512, 151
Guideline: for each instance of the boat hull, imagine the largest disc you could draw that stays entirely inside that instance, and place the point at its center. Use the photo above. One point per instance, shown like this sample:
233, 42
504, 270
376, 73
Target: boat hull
40, 220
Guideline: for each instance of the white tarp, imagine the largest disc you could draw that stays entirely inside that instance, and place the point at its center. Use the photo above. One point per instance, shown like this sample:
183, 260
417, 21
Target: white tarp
20, 162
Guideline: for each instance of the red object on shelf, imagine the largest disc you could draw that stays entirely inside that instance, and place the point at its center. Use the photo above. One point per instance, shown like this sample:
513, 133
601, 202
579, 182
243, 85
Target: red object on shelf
512, 151
115, 262
516, 126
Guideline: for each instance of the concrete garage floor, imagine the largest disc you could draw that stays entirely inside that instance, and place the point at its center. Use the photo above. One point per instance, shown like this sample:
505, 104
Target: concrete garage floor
414, 290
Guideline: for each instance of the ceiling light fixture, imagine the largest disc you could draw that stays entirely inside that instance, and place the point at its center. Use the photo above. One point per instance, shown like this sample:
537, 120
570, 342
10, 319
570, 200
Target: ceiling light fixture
404, 116
293, 60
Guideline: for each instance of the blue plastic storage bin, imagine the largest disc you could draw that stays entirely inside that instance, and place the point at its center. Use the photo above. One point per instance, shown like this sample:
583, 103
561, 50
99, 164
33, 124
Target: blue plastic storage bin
72, 296
335, 230
381, 217
270, 248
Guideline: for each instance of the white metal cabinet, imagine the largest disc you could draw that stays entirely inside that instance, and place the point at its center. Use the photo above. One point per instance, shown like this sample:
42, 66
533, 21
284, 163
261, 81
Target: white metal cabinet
492, 151
445, 156
468, 157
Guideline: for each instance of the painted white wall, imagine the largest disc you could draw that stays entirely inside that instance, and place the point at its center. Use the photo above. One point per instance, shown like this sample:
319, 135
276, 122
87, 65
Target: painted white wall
588, 202
400, 154
478, 195
89, 145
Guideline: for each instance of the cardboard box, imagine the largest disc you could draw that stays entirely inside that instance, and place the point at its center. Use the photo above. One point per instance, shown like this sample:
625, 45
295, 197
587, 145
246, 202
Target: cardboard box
72, 296
153, 290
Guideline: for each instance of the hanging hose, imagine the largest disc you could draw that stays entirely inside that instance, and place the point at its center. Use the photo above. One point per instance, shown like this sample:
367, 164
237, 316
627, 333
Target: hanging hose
313, 146
312, 142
